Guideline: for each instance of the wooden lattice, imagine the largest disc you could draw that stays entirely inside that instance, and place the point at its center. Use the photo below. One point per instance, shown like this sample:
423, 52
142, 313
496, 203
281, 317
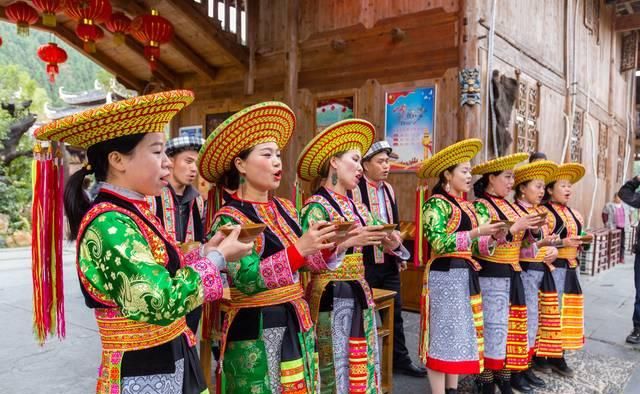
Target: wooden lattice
603, 138
575, 143
526, 122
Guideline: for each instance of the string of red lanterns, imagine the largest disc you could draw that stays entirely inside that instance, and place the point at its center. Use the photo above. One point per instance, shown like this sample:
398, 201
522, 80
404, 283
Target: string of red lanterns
151, 29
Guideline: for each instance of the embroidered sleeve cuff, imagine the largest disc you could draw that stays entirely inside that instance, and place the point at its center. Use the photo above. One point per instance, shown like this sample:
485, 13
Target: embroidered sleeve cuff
277, 269
401, 252
486, 245
210, 277
322, 261
463, 241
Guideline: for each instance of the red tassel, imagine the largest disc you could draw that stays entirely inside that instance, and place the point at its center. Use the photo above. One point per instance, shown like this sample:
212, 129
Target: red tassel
37, 244
58, 223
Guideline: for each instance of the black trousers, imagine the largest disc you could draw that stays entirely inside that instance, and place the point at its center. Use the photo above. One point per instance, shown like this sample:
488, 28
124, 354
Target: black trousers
636, 306
387, 276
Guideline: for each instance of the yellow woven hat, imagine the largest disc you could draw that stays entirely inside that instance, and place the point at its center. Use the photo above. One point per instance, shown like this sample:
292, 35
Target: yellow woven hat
339, 137
499, 164
451, 155
571, 172
541, 169
144, 114
270, 121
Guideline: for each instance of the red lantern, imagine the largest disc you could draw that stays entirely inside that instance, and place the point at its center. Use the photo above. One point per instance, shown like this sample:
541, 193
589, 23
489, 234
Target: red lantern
89, 13
0, 41
23, 15
152, 30
119, 24
49, 9
53, 55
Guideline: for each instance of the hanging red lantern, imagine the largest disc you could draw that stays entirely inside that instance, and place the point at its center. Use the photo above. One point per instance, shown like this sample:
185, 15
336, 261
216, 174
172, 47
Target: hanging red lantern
89, 33
119, 24
49, 9
23, 15
53, 55
153, 31
89, 13
0, 41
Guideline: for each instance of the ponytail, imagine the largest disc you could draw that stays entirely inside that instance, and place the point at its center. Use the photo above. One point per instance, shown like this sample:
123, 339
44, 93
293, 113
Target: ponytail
76, 202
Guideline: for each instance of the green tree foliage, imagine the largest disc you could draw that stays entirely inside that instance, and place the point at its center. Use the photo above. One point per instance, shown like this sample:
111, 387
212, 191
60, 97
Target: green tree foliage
23, 77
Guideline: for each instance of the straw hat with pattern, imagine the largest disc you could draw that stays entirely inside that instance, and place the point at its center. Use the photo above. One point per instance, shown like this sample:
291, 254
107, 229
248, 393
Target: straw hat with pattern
270, 121
341, 136
499, 164
450, 156
144, 114
541, 169
571, 172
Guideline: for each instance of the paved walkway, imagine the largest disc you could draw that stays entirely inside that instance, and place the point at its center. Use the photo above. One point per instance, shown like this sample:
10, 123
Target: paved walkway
607, 365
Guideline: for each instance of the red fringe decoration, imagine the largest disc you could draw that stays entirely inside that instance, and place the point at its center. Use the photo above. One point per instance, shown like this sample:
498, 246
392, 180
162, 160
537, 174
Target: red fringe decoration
46, 252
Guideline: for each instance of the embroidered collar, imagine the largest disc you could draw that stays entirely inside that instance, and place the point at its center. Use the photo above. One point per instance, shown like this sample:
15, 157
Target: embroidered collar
127, 194
236, 197
525, 203
374, 184
337, 196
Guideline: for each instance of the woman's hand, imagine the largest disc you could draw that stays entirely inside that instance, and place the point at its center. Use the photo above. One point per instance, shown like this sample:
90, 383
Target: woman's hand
229, 246
392, 241
549, 240
527, 222
363, 236
489, 229
316, 238
571, 242
551, 255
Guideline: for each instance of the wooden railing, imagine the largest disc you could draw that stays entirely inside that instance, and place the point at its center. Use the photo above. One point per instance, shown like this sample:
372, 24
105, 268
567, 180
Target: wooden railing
225, 14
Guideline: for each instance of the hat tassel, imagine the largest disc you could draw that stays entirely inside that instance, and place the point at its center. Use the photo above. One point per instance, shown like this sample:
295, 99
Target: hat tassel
47, 227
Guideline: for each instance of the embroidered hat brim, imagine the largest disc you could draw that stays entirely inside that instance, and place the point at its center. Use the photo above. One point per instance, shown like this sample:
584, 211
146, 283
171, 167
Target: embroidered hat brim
499, 164
572, 172
541, 169
341, 136
269, 121
137, 115
452, 155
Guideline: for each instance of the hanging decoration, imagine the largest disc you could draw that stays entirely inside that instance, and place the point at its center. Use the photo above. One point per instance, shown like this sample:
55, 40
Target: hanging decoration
152, 30
49, 9
53, 55
0, 41
89, 13
46, 250
119, 24
23, 15
89, 35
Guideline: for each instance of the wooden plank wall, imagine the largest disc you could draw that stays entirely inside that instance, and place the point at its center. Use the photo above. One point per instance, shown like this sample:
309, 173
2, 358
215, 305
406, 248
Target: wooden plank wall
369, 64
532, 37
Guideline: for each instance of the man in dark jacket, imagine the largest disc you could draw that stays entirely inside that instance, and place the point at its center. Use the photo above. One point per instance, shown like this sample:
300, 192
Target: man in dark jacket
629, 195
382, 270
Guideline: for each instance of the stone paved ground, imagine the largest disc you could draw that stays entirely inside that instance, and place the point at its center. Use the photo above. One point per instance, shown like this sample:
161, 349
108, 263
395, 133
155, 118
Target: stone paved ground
607, 365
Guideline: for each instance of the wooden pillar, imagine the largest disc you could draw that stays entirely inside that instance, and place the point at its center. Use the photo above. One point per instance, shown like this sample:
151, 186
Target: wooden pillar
291, 57
252, 7
469, 116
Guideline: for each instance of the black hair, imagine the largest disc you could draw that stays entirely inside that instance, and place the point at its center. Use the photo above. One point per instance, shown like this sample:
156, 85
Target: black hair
174, 152
481, 184
518, 193
439, 187
76, 203
231, 178
537, 156
547, 195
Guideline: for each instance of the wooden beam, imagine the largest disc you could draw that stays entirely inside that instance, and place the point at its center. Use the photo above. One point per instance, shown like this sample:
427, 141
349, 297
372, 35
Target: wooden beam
252, 8
627, 22
291, 54
209, 28
122, 74
201, 65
